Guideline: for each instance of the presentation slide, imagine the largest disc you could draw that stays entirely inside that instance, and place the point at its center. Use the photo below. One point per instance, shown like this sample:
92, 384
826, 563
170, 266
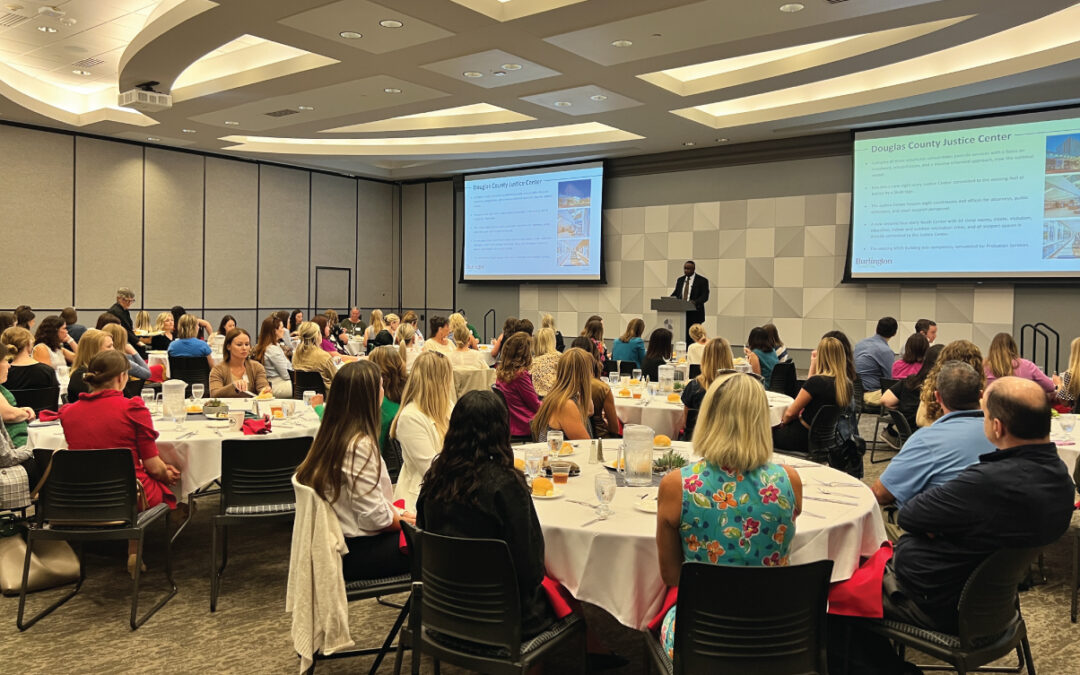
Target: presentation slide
535, 225
988, 198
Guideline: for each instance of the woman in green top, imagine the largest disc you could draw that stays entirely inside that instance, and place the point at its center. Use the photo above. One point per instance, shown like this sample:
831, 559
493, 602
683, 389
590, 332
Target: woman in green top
15, 418
760, 354
393, 383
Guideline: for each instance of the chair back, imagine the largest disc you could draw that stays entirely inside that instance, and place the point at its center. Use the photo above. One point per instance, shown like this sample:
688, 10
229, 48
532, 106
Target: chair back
470, 591
887, 383
721, 622
989, 604
393, 458
190, 369
903, 427
90, 486
259, 471
307, 380
857, 392
695, 370
45, 398
783, 378
627, 367
822, 435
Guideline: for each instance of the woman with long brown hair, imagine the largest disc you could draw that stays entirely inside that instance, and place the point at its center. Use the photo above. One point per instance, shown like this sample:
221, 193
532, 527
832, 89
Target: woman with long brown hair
268, 352
715, 357
630, 346
392, 369
513, 380
238, 375
568, 405
604, 418
345, 468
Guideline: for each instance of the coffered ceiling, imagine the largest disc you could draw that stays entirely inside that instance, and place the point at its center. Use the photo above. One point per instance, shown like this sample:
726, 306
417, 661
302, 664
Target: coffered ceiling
401, 90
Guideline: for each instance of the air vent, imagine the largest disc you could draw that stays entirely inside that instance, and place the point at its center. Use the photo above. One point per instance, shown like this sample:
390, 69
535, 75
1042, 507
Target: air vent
835, 2
281, 113
7, 19
88, 63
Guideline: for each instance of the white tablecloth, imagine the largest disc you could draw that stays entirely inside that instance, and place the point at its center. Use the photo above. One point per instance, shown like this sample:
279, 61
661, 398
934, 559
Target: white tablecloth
355, 346
666, 418
485, 352
1071, 448
613, 563
198, 457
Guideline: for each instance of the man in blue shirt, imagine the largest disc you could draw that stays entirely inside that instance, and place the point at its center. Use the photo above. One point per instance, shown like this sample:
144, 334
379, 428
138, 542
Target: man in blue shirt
874, 359
936, 454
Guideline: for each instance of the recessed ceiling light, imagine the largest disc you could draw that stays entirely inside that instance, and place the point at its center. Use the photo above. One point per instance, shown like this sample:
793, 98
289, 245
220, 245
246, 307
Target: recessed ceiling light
231, 123
152, 138
67, 21
562, 104
350, 35
391, 23
84, 73
689, 143
305, 107
472, 73
187, 131
511, 66
656, 35
46, 29
392, 90
622, 43
498, 73
792, 7
598, 97
721, 140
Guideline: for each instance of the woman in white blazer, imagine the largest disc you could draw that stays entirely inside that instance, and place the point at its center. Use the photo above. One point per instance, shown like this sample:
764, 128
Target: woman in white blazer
421, 423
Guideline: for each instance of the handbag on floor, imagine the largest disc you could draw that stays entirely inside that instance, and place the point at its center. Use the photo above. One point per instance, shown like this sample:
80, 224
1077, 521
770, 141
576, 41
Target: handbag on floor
53, 563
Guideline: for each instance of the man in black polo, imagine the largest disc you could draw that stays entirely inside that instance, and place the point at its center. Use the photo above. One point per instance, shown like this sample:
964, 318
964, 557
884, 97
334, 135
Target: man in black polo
124, 299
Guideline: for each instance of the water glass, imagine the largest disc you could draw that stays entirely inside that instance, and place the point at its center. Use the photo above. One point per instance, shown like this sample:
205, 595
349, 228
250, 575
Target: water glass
178, 415
555, 441
197, 391
604, 484
62, 372
308, 395
636, 375
534, 459
613, 378
1067, 422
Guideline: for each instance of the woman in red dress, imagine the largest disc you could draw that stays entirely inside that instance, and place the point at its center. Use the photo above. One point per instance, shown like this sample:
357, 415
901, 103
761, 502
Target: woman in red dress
103, 419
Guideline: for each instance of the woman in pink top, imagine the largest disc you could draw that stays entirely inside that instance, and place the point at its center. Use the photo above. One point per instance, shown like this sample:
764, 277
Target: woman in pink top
914, 351
513, 380
1004, 360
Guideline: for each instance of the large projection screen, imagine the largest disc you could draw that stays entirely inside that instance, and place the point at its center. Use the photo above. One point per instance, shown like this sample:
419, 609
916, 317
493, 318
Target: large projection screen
534, 225
995, 198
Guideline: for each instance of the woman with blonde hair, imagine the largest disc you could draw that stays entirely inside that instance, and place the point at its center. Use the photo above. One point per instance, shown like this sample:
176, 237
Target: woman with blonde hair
375, 326
405, 340
464, 357
548, 321
165, 327
568, 405
696, 348
420, 425
758, 498
1003, 360
93, 342
513, 381
456, 320
1068, 385
310, 356
142, 321
715, 357
958, 350
545, 361
630, 346
830, 386
139, 369
187, 342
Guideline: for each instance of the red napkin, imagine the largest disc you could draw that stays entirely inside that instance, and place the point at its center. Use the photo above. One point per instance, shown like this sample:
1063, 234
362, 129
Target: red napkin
157, 373
48, 416
402, 544
861, 594
253, 427
562, 603
669, 602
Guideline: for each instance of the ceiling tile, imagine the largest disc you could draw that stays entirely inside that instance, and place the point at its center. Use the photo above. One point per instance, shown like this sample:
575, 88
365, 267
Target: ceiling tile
582, 101
504, 10
363, 17
489, 64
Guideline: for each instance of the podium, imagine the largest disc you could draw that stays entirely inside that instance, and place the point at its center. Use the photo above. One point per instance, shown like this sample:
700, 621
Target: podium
671, 312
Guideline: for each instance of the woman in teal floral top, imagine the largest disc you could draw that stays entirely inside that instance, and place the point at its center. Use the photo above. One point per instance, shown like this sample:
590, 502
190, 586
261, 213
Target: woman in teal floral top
734, 506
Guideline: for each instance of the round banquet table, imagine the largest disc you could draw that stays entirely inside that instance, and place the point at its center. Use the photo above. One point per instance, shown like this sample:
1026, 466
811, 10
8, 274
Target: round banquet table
667, 418
485, 353
613, 563
1068, 444
355, 346
198, 455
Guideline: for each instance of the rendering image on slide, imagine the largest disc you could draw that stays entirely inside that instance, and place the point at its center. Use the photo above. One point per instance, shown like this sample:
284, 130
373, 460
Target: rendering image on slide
1061, 239
575, 193
1062, 196
573, 223
1063, 153
573, 252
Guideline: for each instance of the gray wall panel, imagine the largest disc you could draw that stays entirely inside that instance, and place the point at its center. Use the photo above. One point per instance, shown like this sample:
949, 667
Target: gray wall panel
333, 238
440, 244
35, 217
284, 199
414, 267
108, 221
232, 212
376, 279
173, 229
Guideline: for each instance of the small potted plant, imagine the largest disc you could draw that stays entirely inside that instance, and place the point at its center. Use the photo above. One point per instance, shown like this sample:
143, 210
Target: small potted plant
215, 408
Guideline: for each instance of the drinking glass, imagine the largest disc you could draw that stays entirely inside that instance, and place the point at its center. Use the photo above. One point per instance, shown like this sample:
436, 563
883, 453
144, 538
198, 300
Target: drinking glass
613, 378
148, 397
604, 484
179, 416
555, 441
197, 391
637, 375
62, 372
650, 390
1068, 422
534, 459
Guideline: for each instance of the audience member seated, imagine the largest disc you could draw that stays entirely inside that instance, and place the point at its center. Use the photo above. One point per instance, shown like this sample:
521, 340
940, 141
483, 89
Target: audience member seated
473, 490
408, 346
7, 320
186, 344
509, 328
165, 327
716, 357
139, 369
237, 375
513, 380
15, 418
354, 325
568, 406
465, 357
52, 344
1019, 496
548, 321
774, 340
286, 341
394, 377
1003, 360
337, 334
295, 319
525, 326
14, 454
604, 419
104, 319
121, 310
344, 467
935, 455
410, 318
629, 346
268, 352
830, 386
760, 354
376, 334
1068, 385
25, 317
71, 319
105, 419
26, 372
440, 329
594, 330
545, 361
142, 322
928, 328
457, 320
957, 350
657, 355
911, 360
310, 356
733, 441
93, 343
905, 394
696, 348
874, 359
420, 426
228, 322
392, 323
326, 343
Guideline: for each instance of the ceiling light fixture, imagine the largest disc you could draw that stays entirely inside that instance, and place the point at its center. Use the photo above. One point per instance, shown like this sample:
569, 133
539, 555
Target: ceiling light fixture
473, 73
392, 90
152, 139
46, 29
689, 144
305, 107
391, 23
511, 66
231, 123
350, 35
187, 131
622, 43
562, 104
792, 7
598, 97
498, 73
721, 140
67, 21
84, 73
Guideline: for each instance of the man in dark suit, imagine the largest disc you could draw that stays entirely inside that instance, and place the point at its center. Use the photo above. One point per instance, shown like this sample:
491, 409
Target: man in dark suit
695, 288
124, 298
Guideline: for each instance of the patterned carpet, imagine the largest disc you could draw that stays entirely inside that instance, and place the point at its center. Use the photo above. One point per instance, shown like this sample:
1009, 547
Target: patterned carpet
249, 633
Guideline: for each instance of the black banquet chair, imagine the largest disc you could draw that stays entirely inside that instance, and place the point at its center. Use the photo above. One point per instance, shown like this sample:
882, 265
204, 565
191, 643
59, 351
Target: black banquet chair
307, 380
45, 398
721, 625
784, 379
92, 495
190, 369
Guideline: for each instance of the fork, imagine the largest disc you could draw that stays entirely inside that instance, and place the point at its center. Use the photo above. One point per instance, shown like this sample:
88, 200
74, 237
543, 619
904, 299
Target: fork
590, 522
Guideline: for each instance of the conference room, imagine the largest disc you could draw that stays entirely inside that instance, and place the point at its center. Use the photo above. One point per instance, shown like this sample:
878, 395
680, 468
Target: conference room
823, 166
